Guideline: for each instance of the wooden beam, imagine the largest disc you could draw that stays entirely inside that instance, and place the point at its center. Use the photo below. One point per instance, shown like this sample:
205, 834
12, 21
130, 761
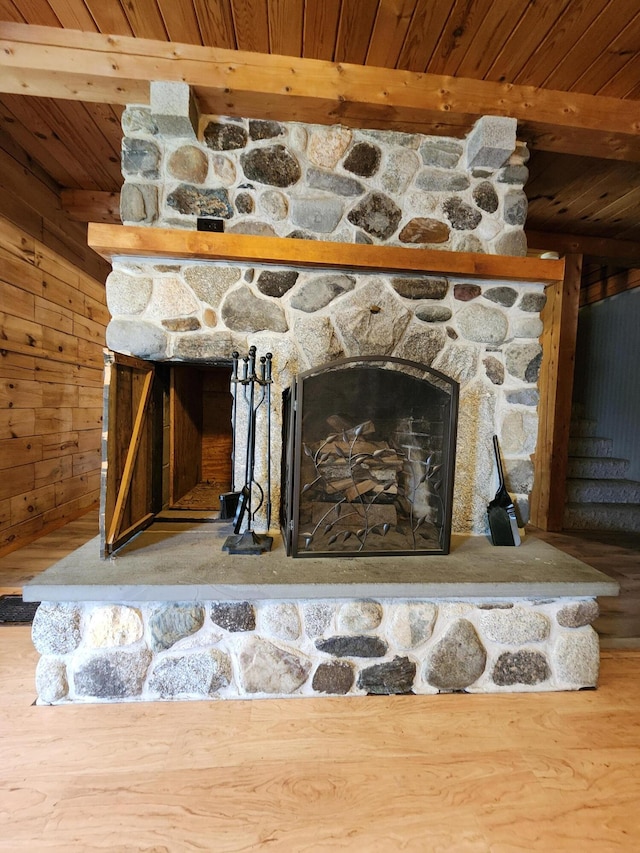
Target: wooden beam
625, 252
618, 283
112, 241
560, 322
91, 205
61, 63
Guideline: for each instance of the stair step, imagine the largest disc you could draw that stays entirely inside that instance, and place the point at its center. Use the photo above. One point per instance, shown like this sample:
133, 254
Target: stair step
602, 516
590, 446
581, 427
603, 491
587, 468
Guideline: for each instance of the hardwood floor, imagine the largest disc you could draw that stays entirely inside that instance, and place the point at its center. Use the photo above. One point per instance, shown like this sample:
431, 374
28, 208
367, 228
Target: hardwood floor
485, 773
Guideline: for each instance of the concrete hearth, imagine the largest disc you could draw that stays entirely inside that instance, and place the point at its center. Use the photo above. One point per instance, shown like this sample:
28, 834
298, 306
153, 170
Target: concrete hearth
174, 617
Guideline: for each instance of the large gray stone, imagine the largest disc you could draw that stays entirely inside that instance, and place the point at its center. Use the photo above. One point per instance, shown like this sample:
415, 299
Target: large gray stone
56, 629
127, 294
363, 159
243, 311
276, 283
138, 120
355, 646
513, 243
210, 283
458, 659
521, 667
274, 205
491, 142
437, 180
523, 360
459, 361
532, 302
261, 129
486, 197
502, 295
391, 677
444, 153
318, 214
137, 337
462, 216
274, 165
112, 675
578, 614
401, 166
433, 313
317, 338
494, 369
174, 108
140, 158
335, 677
519, 432
422, 344
234, 616
319, 291
376, 214
267, 668
481, 324
138, 203
519, 475
523, 397
225, 136
318, 617
173, 622
201, 673
576, 658
196, 201
516, 174
371, 321
515, 208
420, 287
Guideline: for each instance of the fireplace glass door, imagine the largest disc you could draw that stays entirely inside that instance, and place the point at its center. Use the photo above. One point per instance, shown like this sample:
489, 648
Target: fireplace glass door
368, 464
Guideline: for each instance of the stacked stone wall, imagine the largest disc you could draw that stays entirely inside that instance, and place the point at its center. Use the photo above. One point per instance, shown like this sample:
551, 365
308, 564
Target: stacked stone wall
232, 650
306, 181
483, 335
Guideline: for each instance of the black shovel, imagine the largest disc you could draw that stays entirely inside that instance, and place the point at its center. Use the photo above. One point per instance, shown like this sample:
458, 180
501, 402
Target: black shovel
501, 511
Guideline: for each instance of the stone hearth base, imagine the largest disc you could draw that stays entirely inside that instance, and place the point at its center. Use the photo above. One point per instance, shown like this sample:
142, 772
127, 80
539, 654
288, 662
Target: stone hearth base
173, 617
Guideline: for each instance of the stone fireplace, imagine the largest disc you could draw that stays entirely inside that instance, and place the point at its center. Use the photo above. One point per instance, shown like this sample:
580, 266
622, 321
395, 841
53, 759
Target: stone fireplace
400, 249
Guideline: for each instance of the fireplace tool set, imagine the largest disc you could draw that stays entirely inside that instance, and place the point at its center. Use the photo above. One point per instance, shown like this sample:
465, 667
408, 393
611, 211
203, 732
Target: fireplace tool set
251, 382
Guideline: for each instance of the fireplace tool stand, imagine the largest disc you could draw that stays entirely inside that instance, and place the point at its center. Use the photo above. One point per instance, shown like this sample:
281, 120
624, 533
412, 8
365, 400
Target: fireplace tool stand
250, 542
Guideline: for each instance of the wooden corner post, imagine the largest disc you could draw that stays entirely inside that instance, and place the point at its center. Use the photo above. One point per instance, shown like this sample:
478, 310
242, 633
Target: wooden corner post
560, 325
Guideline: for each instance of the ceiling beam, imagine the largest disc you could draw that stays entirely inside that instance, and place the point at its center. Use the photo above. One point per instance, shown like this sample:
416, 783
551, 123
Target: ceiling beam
91, 206
624, 252
614, 284
61, 63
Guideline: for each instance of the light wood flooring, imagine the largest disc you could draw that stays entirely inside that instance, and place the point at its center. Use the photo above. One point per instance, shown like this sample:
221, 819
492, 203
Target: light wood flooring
502, 773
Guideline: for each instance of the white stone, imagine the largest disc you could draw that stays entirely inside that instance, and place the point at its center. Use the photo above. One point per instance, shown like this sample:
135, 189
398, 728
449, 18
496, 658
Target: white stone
171, 298
113, 625
577, 657
411, 624
224, 168
327, 145
281, 620
514, 626
359, 616
127, 294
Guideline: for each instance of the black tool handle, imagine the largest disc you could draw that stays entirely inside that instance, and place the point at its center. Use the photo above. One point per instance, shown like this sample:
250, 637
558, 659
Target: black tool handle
496, 448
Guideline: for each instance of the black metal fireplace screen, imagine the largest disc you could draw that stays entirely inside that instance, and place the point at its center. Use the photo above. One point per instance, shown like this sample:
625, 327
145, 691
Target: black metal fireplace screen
368, 459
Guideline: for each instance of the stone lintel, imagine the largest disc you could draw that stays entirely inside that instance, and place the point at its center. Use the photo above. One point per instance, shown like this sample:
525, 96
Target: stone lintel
491, 142
174, 109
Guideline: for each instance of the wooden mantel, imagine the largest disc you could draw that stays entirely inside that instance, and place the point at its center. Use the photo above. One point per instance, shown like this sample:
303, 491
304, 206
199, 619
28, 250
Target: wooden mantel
112, 241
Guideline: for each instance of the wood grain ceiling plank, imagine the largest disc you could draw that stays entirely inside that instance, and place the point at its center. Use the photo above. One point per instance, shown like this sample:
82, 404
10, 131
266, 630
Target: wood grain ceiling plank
33, 145
459, 33
38, 12
216, 23
321, 19
107, 122
494, 29
145, 19
8, 12
354, 30
74, 15
423, 33
180, 21
109, 17
285, 26
389, 32
31, 113
532, 28
587, 52
251, 24
612, 59
75, 128
623, 83
571, 25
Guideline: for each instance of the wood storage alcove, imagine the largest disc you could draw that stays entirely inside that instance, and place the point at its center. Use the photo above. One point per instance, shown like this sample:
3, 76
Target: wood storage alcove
167, 443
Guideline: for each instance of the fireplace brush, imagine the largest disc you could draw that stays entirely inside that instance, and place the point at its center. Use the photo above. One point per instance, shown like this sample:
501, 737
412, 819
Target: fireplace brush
250, 542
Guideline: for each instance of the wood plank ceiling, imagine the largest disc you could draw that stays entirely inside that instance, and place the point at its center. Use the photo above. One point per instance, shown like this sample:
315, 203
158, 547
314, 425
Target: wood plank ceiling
584, 46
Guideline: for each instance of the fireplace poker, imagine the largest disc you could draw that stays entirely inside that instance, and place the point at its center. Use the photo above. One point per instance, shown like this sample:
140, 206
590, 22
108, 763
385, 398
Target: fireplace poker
268, 380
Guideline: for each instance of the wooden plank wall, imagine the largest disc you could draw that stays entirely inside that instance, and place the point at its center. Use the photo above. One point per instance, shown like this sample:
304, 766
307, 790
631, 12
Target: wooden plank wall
52, 321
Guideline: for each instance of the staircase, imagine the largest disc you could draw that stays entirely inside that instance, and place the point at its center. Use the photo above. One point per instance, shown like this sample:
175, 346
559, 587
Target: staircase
599, 497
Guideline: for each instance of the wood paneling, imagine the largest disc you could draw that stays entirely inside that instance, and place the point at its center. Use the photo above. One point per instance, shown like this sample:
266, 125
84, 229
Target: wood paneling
47, 398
